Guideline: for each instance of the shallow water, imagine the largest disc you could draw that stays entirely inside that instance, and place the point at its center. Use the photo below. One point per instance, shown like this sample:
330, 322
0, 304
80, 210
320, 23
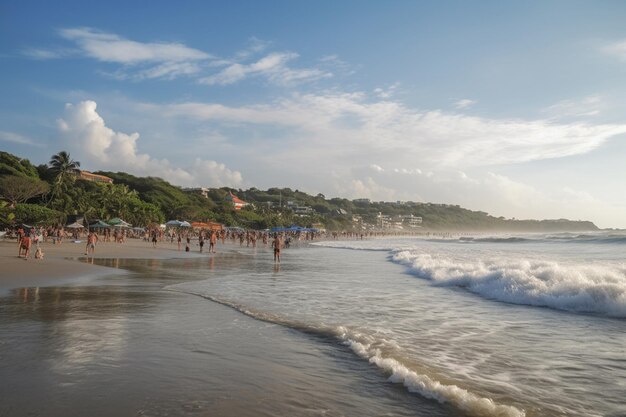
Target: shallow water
123, 346
330, 332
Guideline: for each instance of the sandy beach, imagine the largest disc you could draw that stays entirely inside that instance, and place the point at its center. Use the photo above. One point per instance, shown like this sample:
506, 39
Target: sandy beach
67, 262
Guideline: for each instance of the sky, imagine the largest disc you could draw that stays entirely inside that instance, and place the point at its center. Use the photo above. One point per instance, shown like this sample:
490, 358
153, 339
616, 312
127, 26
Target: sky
517, 109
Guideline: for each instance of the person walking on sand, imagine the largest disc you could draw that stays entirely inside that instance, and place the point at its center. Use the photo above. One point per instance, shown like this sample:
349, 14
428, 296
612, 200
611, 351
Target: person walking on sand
276, 244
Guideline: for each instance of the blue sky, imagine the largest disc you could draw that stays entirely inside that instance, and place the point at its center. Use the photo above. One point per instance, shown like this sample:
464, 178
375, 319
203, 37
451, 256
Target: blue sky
514, 108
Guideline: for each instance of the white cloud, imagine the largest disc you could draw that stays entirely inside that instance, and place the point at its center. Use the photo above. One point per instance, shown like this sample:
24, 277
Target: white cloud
387, 129
386, 93
99, 146
16, 138
464, 103
109, 47
586, 107
156, 59
273, 66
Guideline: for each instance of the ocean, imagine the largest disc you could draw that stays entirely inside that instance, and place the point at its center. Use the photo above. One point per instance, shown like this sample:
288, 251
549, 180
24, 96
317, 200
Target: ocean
506, 325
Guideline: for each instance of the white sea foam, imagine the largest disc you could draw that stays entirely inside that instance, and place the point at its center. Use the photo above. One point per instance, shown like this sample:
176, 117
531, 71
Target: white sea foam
599, 289
424, 385
369, 348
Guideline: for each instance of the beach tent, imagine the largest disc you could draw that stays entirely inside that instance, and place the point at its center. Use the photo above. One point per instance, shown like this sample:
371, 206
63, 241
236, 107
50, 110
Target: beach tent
185, 224
99, 225
74, 225
173, 223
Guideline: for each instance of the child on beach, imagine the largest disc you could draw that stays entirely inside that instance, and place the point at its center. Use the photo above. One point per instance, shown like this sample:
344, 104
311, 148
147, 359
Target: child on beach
39, 253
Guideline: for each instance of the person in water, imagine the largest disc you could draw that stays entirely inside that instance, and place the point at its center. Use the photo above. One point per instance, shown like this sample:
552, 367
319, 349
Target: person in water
276, 244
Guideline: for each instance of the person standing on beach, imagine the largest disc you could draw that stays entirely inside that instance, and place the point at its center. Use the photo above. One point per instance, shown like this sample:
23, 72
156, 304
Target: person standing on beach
92, 238
276, 244
212, 241
25, 246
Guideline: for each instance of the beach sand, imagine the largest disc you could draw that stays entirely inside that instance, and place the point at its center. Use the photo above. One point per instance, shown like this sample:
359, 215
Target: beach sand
67, 262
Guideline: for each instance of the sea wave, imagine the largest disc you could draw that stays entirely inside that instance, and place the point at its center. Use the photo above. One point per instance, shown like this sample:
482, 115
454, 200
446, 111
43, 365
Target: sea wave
369, 348
588, 288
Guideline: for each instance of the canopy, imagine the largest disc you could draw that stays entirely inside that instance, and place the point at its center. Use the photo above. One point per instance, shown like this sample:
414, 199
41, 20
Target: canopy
209, 225
117, 222
294, 229
99, 225
74, 225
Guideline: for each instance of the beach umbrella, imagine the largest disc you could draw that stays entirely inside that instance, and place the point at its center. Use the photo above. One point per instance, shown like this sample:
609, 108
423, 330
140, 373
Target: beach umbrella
173, 223
185, 224
74, 225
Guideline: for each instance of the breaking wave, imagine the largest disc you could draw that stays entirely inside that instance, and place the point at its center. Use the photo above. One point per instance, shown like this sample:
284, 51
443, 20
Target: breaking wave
588, 288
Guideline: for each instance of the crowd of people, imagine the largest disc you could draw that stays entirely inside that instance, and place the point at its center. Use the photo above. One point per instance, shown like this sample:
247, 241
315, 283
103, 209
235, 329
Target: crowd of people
183, 237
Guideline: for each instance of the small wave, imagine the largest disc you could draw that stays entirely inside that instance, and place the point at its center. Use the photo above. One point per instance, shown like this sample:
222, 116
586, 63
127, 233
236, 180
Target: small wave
366, 347
600, 238
502, 239
598, 289
378, 246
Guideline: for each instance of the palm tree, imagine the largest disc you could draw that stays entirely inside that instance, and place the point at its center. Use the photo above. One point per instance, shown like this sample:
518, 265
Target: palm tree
63, 167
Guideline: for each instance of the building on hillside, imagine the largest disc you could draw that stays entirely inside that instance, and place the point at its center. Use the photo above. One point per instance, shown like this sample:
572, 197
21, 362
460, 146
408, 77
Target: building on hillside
204, 192
303, 210
361, 201
86, 175
383, 221
412, 221
237, 202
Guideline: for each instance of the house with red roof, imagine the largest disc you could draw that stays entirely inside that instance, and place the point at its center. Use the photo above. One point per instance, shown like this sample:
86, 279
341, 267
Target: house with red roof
237, 202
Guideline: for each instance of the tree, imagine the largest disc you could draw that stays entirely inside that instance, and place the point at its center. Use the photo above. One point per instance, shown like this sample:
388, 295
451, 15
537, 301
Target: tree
64, 167
36, 214
20, 189
6, 216
13, 165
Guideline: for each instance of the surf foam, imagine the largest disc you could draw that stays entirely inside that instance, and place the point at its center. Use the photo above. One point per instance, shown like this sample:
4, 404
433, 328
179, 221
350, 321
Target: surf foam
599, 289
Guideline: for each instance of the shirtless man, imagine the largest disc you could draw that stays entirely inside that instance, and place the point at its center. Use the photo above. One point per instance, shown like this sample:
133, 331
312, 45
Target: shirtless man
25, 246
276, 244
91, 243
212, 241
